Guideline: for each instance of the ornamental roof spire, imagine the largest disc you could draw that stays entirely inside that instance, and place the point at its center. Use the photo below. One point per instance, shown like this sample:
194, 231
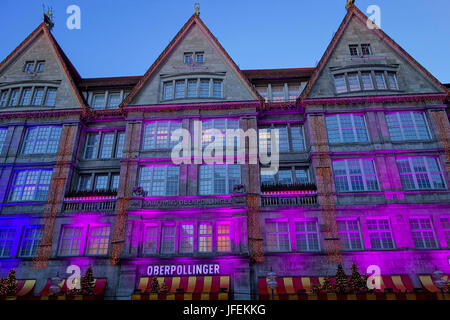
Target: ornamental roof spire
197, 8
350, 3
48, 17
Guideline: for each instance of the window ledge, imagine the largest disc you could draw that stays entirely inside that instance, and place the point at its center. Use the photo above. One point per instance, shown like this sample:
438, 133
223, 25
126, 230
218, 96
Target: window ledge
193, 98
381, 91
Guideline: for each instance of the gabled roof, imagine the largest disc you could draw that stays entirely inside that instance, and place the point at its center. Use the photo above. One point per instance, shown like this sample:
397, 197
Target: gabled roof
355, 12
193, 19
69, 70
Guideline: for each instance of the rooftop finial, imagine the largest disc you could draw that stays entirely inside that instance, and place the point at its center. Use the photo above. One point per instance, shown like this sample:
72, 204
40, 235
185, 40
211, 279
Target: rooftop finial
350, 3
197, 8
48, 17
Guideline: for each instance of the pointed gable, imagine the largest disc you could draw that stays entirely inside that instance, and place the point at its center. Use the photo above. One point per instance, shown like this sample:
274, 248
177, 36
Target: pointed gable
194, 37
386, 57
58, 71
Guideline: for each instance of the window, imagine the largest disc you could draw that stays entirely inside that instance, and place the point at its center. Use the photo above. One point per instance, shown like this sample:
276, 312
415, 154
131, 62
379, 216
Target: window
277, 92
98, 240
29, 66
262, 90
349, 234
445, 223
7, 236
223, 237
219, 179
366, 78
353, 82
150, 239
101, 182
13, 99
422, 233
277, 236
188, 58
343, 128
380, 234
285, 176
92, 150
355, 175
3, 98
301, 176
168, 239
199, 58
353, 49
179, 89
30, 241
115, 178
106, 149
340, 83
26, 97
113, 100
407, 126
365, 49
306, 236
418, 173
217, 88
157, 135
31, 185
168, 90
192, 88
205, 237
84, 182
42, 140
98, 101
290, 138
204, 88
160, 180
50, 97
120, 143
379, 79
293, 91
38, 95
3, 132
221, 125
71, 240
40, 66
187, 238
392, 77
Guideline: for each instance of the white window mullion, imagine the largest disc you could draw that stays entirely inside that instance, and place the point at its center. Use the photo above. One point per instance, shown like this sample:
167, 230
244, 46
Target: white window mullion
355, 136
413, 171
341, 134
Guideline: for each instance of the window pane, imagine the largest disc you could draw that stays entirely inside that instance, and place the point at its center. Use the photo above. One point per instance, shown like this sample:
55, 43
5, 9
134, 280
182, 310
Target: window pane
192, 88
98, 101
217, 89
379, 78
38, 96
26, 97
113, 100
353, 81
204, 88
277, 93
50, 97
107, 145
168, 91
340, 84
179, 89
367, 80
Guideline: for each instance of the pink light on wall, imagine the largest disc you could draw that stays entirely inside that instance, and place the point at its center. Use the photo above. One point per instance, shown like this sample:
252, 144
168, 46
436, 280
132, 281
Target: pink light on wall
289, 193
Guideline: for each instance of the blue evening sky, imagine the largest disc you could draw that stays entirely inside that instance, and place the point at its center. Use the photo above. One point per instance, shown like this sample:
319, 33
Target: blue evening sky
124, 37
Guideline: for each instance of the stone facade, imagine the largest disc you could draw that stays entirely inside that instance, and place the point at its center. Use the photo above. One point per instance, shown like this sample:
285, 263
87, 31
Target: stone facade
248, 212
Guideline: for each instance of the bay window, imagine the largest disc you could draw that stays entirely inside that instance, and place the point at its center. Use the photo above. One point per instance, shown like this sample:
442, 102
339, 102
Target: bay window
31, 185
343, 128
355, 175
218, 179
420, 173
407, 126
159, 180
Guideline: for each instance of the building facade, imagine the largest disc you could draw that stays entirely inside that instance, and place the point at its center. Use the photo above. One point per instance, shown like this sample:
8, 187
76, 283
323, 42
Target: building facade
87, 176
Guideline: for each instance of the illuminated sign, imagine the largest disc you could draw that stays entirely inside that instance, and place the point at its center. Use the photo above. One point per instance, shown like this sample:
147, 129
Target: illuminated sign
183, 270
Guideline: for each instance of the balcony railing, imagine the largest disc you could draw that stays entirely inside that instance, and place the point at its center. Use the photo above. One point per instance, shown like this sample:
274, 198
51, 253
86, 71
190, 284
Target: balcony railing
86, 204
290, 201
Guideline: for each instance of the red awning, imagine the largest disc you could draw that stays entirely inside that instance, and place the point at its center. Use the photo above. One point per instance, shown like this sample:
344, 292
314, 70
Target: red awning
185, 288
99, 289
428, 284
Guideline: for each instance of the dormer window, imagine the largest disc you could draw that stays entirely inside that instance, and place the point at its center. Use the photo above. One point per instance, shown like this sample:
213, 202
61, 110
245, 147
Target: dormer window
353, 49
99, 101
40, 66
188, 57
199, 58
29, 66
365, 49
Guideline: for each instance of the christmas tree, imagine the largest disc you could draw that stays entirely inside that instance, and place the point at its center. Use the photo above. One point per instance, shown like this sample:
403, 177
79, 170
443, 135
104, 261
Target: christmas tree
2, 287
316, 288
356, 282
326, 285
164, 288
10, 283
447, 286
88, 283
154, 287
341, 280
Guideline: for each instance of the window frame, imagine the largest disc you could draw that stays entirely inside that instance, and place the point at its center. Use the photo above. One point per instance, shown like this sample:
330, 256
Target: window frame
348, 175
150, 180
35, 187
307, 233
277, 234
227, 178
340, 128
402, 126
348, 232
429, 173
377, 235
35, 242
422, 230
